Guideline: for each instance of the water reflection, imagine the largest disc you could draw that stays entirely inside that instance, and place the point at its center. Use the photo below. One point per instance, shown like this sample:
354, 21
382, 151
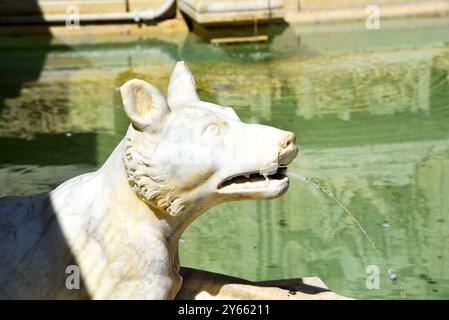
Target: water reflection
373, 126
368, 123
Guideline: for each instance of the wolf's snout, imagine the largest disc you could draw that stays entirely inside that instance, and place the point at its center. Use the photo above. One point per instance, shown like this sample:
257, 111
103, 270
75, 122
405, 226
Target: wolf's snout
289, 149
290, 138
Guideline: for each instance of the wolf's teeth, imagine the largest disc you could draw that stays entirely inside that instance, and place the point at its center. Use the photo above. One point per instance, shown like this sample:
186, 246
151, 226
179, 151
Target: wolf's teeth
246, 176
269, 171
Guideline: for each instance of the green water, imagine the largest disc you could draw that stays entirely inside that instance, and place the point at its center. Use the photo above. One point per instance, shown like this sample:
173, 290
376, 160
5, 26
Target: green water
370, 110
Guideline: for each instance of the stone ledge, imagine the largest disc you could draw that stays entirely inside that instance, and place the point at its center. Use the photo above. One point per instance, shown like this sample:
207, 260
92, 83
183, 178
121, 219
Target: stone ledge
418, 9
204, 13
204, 285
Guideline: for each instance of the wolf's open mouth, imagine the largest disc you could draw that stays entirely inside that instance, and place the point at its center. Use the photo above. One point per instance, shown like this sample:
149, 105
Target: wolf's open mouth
254, 180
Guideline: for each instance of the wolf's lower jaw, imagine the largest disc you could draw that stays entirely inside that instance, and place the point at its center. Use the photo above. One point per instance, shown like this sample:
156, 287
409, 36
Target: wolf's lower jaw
248, 183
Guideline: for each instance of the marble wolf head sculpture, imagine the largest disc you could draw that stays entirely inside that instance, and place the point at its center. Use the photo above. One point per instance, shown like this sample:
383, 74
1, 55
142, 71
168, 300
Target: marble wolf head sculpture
182, 152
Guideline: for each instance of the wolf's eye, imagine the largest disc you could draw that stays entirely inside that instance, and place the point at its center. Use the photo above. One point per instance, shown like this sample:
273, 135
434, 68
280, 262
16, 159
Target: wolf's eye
212, 129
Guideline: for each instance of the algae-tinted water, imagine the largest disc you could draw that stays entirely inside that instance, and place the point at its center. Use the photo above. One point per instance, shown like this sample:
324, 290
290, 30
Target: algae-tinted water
370, 110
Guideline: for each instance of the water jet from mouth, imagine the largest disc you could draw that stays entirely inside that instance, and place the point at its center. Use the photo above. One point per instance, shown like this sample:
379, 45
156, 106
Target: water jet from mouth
392, 275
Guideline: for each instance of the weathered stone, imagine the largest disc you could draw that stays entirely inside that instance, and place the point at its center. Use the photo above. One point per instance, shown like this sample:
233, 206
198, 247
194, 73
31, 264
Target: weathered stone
120, 226
232, 21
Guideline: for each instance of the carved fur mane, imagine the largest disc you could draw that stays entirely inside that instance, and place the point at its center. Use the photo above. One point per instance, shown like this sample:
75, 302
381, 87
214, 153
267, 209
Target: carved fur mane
148, 180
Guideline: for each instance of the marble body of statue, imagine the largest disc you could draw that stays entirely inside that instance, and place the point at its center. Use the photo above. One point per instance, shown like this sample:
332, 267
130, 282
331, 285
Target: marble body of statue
120, 226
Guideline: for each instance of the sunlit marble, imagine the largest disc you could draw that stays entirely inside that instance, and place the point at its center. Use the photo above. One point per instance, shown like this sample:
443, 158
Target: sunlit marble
121, 224
369, 108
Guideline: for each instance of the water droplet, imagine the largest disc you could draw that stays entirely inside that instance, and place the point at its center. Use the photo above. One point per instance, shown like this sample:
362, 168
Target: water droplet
392, 275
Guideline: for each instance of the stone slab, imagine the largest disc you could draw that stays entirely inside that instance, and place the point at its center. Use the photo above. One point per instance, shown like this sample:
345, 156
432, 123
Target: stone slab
204, 285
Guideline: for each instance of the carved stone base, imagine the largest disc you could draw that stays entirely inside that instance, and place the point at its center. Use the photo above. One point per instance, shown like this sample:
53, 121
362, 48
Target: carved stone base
220, 22
203, 285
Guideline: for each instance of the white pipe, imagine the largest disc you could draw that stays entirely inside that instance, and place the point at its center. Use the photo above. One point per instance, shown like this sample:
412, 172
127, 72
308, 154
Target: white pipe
136, 16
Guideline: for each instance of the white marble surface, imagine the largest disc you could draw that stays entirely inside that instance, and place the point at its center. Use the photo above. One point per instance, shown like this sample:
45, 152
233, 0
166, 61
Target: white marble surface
121, 224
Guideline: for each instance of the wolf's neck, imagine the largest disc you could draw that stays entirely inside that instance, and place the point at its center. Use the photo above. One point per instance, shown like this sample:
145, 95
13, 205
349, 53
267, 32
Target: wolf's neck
114, 177
100, 210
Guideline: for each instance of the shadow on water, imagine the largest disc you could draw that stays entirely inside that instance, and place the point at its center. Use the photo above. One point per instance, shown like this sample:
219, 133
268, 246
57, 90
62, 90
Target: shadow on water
16, 66
31, 110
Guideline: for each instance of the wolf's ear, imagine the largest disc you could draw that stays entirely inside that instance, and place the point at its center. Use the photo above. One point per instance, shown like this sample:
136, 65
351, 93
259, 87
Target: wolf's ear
143, 104
181, 88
